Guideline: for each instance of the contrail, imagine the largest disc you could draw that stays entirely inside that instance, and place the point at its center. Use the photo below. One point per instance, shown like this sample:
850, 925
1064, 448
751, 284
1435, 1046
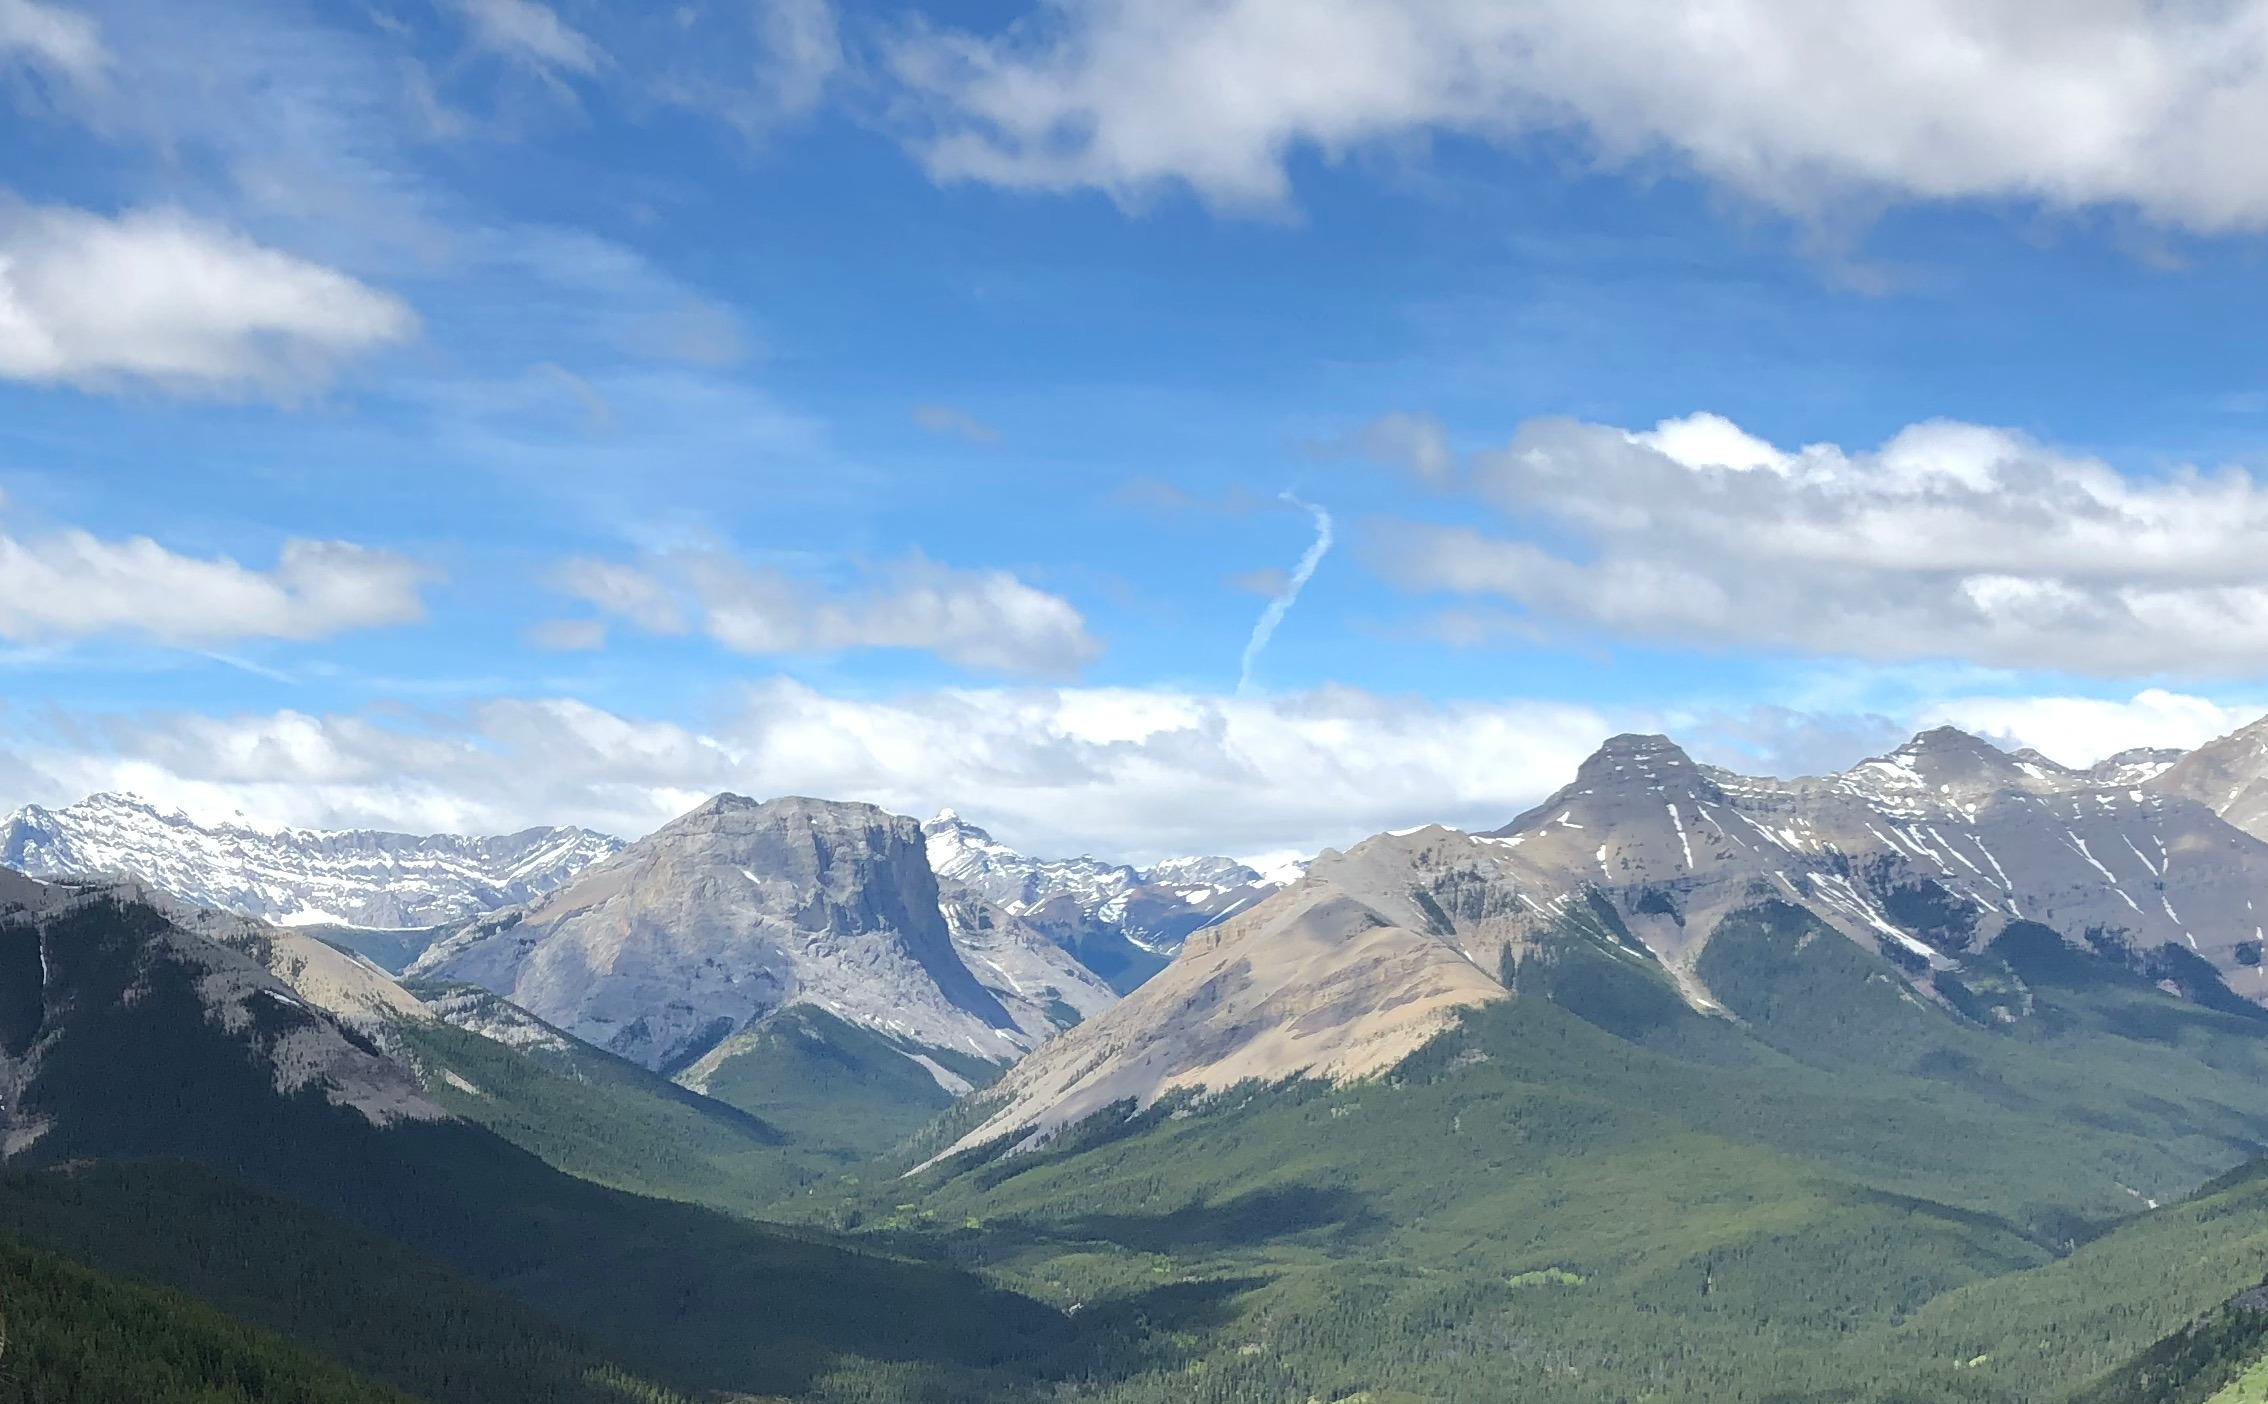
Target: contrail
1265, 627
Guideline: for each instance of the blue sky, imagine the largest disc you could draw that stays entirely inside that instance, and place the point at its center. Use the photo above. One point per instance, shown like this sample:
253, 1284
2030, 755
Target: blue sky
475, 413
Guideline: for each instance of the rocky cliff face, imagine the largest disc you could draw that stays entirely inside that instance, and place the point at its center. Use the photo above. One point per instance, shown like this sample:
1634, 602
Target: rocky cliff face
740, 908
356, 877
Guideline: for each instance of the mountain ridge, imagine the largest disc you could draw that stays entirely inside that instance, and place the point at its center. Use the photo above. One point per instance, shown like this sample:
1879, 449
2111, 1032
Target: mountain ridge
1924, 854
350, 877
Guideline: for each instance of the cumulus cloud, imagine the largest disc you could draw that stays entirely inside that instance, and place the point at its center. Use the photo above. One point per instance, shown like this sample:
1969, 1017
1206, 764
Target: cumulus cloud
1949, 541
985, 619
75, 585
1134, 774
533, 34
54, 38
158, 297
2125, 102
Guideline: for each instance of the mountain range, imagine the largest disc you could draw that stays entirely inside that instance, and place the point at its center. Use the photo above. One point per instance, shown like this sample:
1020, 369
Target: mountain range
1124, 923
1923, 856
1935, 1079
351, 877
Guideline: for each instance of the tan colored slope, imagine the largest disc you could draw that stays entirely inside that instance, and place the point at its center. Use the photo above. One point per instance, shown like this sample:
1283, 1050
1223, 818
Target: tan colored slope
340, 982
1311, 982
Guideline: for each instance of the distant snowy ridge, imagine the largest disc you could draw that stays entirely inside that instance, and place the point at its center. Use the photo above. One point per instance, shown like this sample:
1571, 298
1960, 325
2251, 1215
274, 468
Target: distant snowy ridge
353, 877
1154, 908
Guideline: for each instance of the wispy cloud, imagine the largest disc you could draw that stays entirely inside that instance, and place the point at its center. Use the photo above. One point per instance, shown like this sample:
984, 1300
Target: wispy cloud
1264, 628
948, 422
54, 37
533, 34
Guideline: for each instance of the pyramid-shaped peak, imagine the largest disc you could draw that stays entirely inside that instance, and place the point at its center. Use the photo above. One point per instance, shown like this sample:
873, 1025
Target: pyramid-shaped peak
1632, 758
1949, 753
1949, 740
1948, 760
1630, 769
949, 822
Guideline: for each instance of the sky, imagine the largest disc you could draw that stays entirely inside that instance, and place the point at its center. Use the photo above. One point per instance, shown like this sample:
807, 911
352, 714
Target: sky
1145, 426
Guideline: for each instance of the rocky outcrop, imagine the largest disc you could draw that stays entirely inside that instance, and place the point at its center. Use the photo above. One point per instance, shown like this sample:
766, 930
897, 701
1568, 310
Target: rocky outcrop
728, 913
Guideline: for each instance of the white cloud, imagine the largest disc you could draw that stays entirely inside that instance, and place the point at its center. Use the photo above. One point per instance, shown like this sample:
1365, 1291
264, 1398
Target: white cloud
74, 585
533, 34
53, 37
2124, 102
984, 619
1127, 773
2078, 731
159, 297
1133, 774
1951, 541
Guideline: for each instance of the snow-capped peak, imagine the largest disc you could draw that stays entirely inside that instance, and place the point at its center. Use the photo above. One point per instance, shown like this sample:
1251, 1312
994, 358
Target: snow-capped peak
354, 877
1153, 907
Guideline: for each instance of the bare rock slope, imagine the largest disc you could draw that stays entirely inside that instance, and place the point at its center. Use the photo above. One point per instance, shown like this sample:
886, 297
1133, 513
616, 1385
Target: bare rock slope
1311, 982
741, 908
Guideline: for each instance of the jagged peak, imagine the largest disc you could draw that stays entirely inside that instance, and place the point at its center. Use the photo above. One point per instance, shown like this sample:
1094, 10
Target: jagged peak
1630, 766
